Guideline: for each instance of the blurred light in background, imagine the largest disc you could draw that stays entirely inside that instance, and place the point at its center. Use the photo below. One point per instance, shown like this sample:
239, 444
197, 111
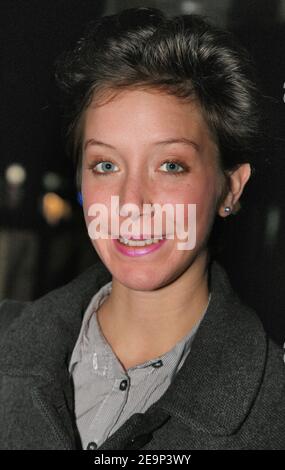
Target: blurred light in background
15, 174
216, 10
52, 181
15, 177
282, 10
272, 225
190, 6
55, 208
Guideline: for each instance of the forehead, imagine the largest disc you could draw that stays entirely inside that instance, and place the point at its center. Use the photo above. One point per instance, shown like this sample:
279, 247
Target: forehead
144, 113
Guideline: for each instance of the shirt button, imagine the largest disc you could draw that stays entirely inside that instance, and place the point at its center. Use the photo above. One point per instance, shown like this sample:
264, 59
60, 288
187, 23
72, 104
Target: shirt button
157, 363
92, 446
123, 385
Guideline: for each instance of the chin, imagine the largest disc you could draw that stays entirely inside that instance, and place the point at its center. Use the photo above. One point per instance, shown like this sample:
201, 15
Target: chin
139, 280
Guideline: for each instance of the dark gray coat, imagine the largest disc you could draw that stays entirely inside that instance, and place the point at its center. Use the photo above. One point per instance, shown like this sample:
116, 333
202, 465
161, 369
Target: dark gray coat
229, 394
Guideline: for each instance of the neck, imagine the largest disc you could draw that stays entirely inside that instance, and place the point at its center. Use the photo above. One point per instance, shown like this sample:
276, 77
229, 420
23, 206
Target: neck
142, 325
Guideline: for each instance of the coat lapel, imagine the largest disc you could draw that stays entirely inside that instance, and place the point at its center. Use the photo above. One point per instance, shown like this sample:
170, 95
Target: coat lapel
221, 377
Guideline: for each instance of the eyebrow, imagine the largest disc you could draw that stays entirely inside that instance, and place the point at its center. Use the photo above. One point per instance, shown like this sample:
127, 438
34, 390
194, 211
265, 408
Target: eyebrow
181, 140
97, 142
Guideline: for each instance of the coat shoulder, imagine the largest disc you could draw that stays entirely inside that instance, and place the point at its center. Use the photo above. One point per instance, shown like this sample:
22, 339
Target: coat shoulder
9, 311
62, 304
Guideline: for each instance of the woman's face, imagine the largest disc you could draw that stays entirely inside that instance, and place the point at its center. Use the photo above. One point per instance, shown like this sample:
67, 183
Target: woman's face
158, 150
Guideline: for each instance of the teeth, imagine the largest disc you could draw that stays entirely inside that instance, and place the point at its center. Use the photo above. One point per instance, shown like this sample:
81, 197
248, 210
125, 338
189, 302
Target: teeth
125, 241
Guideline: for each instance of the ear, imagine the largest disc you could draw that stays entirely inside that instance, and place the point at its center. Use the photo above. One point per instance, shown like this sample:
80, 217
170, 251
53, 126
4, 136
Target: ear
237, 179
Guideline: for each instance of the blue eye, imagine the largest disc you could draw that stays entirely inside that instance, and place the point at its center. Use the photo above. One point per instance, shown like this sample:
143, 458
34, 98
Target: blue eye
106, 166
172, 167
102, 167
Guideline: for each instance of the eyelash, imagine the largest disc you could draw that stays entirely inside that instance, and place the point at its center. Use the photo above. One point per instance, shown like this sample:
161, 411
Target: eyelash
185, 167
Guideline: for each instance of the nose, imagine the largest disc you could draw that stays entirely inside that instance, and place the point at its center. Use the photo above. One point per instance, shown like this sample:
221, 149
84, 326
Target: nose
136, 191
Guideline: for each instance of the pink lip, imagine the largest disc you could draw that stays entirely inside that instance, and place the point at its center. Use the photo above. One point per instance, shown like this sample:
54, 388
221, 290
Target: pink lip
137, 251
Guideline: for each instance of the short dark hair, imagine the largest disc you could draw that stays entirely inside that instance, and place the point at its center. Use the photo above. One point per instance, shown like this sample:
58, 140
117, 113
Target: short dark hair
183, 55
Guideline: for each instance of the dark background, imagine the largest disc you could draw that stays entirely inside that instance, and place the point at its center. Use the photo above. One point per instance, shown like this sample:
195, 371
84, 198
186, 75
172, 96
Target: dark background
38, 253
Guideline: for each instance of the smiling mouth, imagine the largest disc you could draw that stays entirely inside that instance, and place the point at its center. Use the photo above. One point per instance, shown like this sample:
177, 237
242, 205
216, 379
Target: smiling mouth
136, 241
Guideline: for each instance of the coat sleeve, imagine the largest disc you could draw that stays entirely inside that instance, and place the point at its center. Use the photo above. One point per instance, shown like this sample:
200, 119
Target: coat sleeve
9, 310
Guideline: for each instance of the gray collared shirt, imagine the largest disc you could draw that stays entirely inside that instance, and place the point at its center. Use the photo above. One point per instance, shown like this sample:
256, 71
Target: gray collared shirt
106, 395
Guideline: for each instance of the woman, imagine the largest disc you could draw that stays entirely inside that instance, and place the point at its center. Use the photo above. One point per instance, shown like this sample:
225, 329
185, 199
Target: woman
150, 348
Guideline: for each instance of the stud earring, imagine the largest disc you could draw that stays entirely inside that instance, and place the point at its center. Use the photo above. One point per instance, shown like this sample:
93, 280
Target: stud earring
227, 209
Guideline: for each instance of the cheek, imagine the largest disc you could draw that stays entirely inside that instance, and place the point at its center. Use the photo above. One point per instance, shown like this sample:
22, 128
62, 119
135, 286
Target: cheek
203, 195
92, 195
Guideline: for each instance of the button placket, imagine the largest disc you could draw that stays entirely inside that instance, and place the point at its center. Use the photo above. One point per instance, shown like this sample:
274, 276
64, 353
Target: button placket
103, 415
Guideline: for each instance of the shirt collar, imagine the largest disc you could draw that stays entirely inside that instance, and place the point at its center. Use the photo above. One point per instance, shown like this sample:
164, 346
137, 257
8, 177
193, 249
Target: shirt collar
83, 339
92, 344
